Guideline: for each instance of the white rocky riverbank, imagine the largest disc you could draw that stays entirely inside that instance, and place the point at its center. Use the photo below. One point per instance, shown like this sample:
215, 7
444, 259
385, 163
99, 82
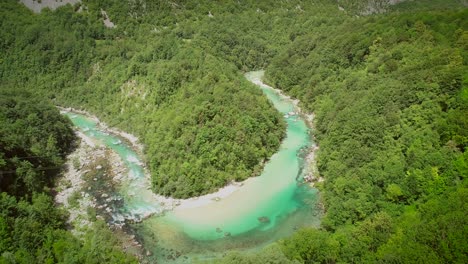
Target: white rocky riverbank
311, 174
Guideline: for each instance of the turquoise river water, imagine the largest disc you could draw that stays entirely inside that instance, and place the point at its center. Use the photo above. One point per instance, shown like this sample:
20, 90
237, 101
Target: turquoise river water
264, 209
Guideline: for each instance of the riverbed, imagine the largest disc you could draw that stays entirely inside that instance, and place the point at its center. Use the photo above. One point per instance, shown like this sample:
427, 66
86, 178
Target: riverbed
248, 216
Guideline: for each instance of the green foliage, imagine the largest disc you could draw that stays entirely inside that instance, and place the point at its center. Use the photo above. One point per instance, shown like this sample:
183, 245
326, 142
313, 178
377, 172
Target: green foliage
102, 247
433, 233
34, 139
269, 255
73, 199
163, 81
310, 246
391, 121
368, 7
33, 232
385, 130
389, 93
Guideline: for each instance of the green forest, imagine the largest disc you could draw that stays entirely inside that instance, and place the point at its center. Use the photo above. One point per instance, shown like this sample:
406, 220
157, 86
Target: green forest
388, 86
34, 140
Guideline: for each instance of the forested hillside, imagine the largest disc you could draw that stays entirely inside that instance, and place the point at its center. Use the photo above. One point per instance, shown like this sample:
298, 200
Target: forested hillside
202, 123
389, 92
390, 97
34, 139
389, 105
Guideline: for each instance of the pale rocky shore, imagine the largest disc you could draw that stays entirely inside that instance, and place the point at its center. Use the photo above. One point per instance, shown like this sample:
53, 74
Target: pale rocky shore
72, 182
75, 198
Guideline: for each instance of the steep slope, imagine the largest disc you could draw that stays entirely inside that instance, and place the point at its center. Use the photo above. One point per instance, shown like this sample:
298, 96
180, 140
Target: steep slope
34, 139
202, 123
389, 94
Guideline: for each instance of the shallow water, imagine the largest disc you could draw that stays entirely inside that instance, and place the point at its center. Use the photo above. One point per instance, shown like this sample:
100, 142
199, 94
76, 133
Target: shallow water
139, 201
266, 208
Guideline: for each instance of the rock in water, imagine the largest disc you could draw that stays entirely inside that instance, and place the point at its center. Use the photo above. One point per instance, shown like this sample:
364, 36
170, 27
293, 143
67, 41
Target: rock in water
264, 219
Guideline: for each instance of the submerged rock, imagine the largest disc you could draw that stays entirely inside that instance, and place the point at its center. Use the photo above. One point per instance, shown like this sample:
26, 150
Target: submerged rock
264, 219
227, 234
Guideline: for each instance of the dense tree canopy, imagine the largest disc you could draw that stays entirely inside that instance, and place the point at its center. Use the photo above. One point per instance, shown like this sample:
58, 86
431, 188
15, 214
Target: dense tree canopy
34, 140
389, 93
202, 123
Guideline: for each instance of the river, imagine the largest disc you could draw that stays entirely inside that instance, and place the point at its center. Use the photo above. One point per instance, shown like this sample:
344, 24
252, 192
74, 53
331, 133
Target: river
262, 210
